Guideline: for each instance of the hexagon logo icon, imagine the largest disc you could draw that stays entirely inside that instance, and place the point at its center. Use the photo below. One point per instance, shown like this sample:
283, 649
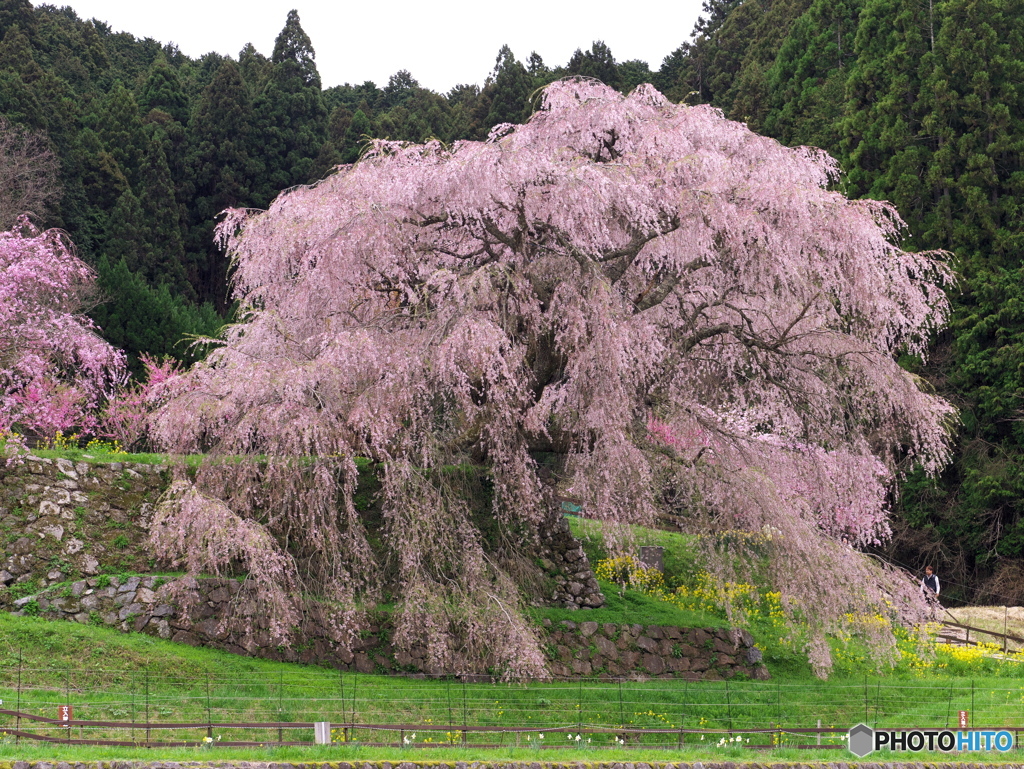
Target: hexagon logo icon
861, 740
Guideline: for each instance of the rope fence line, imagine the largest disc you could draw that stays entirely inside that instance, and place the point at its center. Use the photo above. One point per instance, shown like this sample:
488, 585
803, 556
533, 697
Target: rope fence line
114, 707
775, 734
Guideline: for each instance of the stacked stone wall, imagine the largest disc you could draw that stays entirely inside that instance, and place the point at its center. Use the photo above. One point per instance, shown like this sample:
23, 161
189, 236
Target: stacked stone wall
74, 536
607, 649
60, 520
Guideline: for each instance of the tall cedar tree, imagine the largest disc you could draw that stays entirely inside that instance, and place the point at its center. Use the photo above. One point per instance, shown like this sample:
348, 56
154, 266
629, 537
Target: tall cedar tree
20, 98
972, 121
221, 174
806, 84
119, 126
17, 12
165, 258
507, 94
163, 91
597, 63
289, 114
882, 133
102, 184
692, 68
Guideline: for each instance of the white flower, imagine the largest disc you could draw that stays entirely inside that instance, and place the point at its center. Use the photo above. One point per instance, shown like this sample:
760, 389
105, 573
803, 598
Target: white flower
540, 736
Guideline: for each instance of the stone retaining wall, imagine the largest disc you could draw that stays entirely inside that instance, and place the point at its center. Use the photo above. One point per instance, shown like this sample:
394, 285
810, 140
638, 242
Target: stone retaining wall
606, 649
60, 520
223, 612
63, 522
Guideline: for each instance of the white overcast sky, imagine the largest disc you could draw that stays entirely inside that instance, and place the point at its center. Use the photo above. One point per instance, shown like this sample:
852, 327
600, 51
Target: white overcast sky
440, 43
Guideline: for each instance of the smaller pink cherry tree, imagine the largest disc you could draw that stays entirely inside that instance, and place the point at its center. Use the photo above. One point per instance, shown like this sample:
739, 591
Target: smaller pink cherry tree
55, 370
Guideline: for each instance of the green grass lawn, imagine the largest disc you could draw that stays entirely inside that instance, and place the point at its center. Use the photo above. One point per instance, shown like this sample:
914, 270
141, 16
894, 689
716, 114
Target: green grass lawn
10, 752
106, 675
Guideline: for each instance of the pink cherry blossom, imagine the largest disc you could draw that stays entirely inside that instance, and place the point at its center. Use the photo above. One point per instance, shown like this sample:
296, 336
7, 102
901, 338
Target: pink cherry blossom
55, 370
670, 311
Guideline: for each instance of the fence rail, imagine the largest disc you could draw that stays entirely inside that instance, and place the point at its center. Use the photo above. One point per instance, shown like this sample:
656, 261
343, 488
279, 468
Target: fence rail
979, 633
130, 707
774, 735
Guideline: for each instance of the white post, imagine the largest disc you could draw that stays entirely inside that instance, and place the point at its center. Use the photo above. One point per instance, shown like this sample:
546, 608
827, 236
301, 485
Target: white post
322, 732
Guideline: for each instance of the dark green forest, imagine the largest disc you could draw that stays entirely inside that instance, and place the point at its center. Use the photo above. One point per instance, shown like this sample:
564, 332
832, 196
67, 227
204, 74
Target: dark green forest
921, 101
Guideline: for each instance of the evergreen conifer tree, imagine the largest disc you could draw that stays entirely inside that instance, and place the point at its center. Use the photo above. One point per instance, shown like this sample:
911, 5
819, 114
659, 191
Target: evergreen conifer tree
886, 157
20, 81
220, 174
143, 320
165, 260
632, 73
359, 129
17, 13
598, 63
102, 183
255, 68
119, 126
509, 91
290, 116
293, 58
125, 236
163, 90
806, 83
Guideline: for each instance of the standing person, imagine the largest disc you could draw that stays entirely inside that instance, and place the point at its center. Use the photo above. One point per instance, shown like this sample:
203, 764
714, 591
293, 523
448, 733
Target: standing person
930, 583
930, 589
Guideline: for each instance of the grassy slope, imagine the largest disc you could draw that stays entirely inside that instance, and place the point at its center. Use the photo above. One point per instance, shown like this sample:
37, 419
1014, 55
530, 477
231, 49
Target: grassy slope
107, 675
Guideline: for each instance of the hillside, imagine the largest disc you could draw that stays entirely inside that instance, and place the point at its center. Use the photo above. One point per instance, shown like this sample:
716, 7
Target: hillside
920, 105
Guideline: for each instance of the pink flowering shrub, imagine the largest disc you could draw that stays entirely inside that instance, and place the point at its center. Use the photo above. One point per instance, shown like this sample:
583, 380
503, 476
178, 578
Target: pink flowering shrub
682, 313
55, 370
126, 414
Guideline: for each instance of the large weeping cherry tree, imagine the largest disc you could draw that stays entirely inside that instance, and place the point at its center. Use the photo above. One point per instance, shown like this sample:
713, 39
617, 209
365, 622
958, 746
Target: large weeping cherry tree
682, 312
